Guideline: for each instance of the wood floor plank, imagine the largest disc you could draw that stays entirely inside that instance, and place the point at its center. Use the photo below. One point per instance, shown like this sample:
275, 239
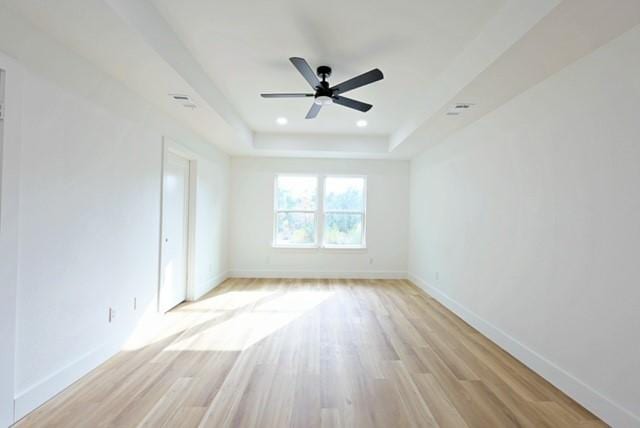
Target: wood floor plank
312, 353
444, 412
186, 417
418, 412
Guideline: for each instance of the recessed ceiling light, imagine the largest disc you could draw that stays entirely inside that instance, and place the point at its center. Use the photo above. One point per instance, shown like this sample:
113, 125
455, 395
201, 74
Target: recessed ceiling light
361, 123
281, 121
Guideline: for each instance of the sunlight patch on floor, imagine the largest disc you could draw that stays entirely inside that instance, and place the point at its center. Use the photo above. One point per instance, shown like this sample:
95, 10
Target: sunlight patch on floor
228, 301
248, 328
154, 327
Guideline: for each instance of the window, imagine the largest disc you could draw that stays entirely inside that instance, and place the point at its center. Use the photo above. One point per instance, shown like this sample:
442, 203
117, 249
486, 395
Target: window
306, 215
344, 211
296, 205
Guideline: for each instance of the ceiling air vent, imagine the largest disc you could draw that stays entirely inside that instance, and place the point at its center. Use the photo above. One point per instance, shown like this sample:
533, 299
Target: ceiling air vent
180, 97
183, 99
458, 108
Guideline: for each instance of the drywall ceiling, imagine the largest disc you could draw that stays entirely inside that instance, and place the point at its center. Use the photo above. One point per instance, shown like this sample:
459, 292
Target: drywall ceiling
433, 53
244, 47
570, 31
91, 29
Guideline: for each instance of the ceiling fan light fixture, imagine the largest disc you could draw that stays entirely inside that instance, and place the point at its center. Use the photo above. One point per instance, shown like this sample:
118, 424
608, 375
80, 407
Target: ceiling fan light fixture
323, 100
361, 123
282, 121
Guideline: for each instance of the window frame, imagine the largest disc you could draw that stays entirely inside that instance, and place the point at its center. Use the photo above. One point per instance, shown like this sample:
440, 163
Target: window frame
276, 211
319, 214
363, 213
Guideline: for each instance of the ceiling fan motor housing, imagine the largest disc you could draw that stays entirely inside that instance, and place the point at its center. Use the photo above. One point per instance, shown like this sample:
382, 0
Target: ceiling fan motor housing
323, 91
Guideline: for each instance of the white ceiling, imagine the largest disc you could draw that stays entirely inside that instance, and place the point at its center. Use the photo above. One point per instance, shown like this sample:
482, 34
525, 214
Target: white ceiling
93, 30
224, 54
244, 47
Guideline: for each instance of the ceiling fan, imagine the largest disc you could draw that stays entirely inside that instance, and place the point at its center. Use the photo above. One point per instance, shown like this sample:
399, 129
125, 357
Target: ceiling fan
325, 94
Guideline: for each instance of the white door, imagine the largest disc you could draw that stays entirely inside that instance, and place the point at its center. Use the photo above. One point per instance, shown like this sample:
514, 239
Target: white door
175, 225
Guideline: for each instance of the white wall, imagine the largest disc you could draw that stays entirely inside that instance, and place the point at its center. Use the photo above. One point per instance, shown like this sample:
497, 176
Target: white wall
9, 185
89, 221
211, 225
252, 181
527, 224
89, 174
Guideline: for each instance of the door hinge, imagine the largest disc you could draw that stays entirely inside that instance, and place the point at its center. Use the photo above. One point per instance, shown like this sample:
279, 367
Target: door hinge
1, 111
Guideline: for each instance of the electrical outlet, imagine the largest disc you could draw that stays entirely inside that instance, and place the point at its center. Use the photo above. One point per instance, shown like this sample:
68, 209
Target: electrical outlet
370, 260
437, 276
112, 314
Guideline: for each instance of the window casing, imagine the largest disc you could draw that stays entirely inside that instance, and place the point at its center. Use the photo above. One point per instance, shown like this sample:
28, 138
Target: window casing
312, 211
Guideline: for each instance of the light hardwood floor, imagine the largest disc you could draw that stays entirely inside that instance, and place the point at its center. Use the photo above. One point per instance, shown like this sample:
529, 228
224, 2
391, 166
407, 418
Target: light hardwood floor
313, 353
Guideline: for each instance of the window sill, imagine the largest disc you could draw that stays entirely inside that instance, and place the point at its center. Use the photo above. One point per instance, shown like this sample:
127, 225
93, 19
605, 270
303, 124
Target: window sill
352, 248
345, 247
294, 247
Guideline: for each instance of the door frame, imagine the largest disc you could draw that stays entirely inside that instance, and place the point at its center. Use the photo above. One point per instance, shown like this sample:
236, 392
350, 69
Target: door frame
170, 146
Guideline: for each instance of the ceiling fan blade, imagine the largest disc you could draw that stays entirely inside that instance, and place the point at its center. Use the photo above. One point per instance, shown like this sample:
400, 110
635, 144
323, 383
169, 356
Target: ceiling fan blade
303, 67
285, 95
313, 111
348, 102
358, 81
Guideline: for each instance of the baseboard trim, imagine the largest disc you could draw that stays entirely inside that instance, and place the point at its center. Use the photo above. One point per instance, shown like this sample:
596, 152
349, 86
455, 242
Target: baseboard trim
304, 274
609, 411
35, 396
